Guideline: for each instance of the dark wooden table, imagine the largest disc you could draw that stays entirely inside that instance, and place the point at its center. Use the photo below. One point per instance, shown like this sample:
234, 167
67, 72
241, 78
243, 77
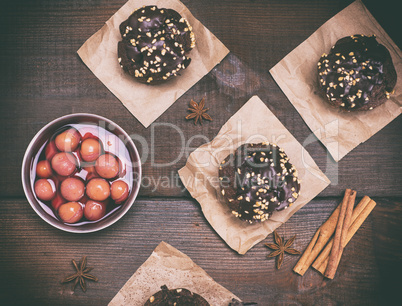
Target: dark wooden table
42, 78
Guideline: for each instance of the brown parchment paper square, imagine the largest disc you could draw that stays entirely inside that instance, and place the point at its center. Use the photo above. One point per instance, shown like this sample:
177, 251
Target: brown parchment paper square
253, 123
297, 76
170, 267
148, 102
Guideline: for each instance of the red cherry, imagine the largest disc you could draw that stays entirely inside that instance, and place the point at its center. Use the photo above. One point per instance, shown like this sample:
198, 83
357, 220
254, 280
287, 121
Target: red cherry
119, 191
107, 166
50, 150
95, 210
57, 201
43, 169
90, 149
88, 135
45, 189
98, 189
72, 189
64, 163
84, 199
71, 212
68, 140
78, 156
89, 132
91, 172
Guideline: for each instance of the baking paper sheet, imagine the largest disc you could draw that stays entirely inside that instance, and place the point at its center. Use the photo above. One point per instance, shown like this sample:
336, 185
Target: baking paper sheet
253, 123
148, 102
170, 267
297, 76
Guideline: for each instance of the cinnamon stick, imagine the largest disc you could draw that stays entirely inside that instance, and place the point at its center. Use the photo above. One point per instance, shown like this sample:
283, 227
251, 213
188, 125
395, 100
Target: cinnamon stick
320, 239
360, 214
341, 231
321, 262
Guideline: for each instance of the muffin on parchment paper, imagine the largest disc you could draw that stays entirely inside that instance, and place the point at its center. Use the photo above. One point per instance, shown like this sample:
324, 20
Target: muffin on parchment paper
357, 74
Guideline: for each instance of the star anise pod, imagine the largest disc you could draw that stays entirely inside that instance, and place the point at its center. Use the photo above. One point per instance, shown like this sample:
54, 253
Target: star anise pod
280, 247
81, 274
198, 112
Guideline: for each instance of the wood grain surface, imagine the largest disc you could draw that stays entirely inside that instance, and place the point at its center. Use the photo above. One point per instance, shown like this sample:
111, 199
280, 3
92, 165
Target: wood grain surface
35, 257
42, 78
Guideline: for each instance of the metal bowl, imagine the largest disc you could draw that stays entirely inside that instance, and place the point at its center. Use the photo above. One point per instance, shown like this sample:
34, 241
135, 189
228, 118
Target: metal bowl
37, 143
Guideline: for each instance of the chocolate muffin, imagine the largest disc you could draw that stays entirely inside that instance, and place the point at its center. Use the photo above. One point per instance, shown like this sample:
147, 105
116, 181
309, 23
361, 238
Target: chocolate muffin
257, 180
357, 74
178, 297
154, 43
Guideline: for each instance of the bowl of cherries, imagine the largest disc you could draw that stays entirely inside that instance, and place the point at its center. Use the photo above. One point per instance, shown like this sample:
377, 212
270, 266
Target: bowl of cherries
81, 173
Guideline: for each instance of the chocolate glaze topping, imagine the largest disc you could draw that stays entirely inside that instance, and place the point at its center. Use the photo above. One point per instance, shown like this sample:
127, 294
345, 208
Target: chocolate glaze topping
257, 180
357, 74
154, 44
178, 297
